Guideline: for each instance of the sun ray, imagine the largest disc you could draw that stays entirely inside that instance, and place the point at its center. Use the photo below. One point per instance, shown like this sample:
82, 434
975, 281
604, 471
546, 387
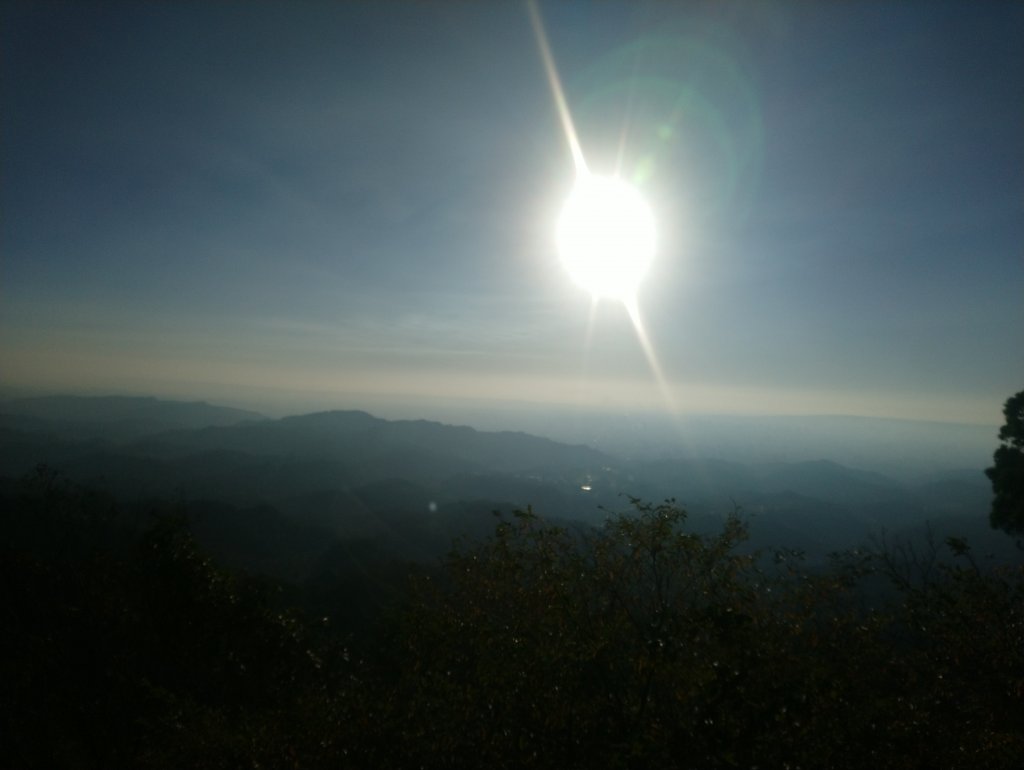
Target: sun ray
591, 321
556, 88
633, 309
588, 338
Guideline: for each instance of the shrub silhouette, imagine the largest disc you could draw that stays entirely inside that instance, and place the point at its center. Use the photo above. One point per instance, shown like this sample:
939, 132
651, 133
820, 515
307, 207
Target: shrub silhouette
643, 645
635, 644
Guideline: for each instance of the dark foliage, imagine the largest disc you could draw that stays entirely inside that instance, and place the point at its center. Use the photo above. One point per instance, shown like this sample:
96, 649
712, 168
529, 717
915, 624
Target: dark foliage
132, 649
1007, 471
637, 644
643, 645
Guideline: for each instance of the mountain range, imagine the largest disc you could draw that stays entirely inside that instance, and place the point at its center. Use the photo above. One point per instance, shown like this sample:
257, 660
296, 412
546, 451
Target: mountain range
407, 487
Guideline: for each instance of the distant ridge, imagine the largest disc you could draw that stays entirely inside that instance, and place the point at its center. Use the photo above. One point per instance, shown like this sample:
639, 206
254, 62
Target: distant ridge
420, 447
302, 464
115, 418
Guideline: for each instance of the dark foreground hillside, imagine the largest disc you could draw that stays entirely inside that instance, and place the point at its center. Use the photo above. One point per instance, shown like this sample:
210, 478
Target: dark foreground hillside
636, 644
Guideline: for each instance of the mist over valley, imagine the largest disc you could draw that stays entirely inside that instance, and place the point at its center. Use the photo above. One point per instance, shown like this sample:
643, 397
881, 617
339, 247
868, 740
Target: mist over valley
304, 484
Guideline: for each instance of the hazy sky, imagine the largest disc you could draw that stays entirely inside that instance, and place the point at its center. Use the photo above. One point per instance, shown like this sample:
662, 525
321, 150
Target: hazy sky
353, 205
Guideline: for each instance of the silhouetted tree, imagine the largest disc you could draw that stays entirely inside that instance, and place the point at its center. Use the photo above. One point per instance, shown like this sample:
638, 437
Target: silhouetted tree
1007, 473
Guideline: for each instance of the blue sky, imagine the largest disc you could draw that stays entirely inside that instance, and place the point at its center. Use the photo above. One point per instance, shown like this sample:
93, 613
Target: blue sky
291, 206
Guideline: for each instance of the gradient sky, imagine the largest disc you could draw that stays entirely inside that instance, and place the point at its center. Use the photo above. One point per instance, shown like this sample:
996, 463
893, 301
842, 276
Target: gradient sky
290, 205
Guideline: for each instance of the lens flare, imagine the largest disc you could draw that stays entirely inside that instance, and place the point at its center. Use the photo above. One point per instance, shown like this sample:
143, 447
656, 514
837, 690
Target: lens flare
606, 232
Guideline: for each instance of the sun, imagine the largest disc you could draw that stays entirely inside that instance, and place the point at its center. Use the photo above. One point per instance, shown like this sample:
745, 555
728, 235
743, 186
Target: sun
606, 237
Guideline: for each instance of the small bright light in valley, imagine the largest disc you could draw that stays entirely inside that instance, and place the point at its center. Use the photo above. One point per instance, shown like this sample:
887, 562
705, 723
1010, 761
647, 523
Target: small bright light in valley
606, 237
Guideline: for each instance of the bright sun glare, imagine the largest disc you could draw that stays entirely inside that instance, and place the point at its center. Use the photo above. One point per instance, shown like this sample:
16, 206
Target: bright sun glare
606, 237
